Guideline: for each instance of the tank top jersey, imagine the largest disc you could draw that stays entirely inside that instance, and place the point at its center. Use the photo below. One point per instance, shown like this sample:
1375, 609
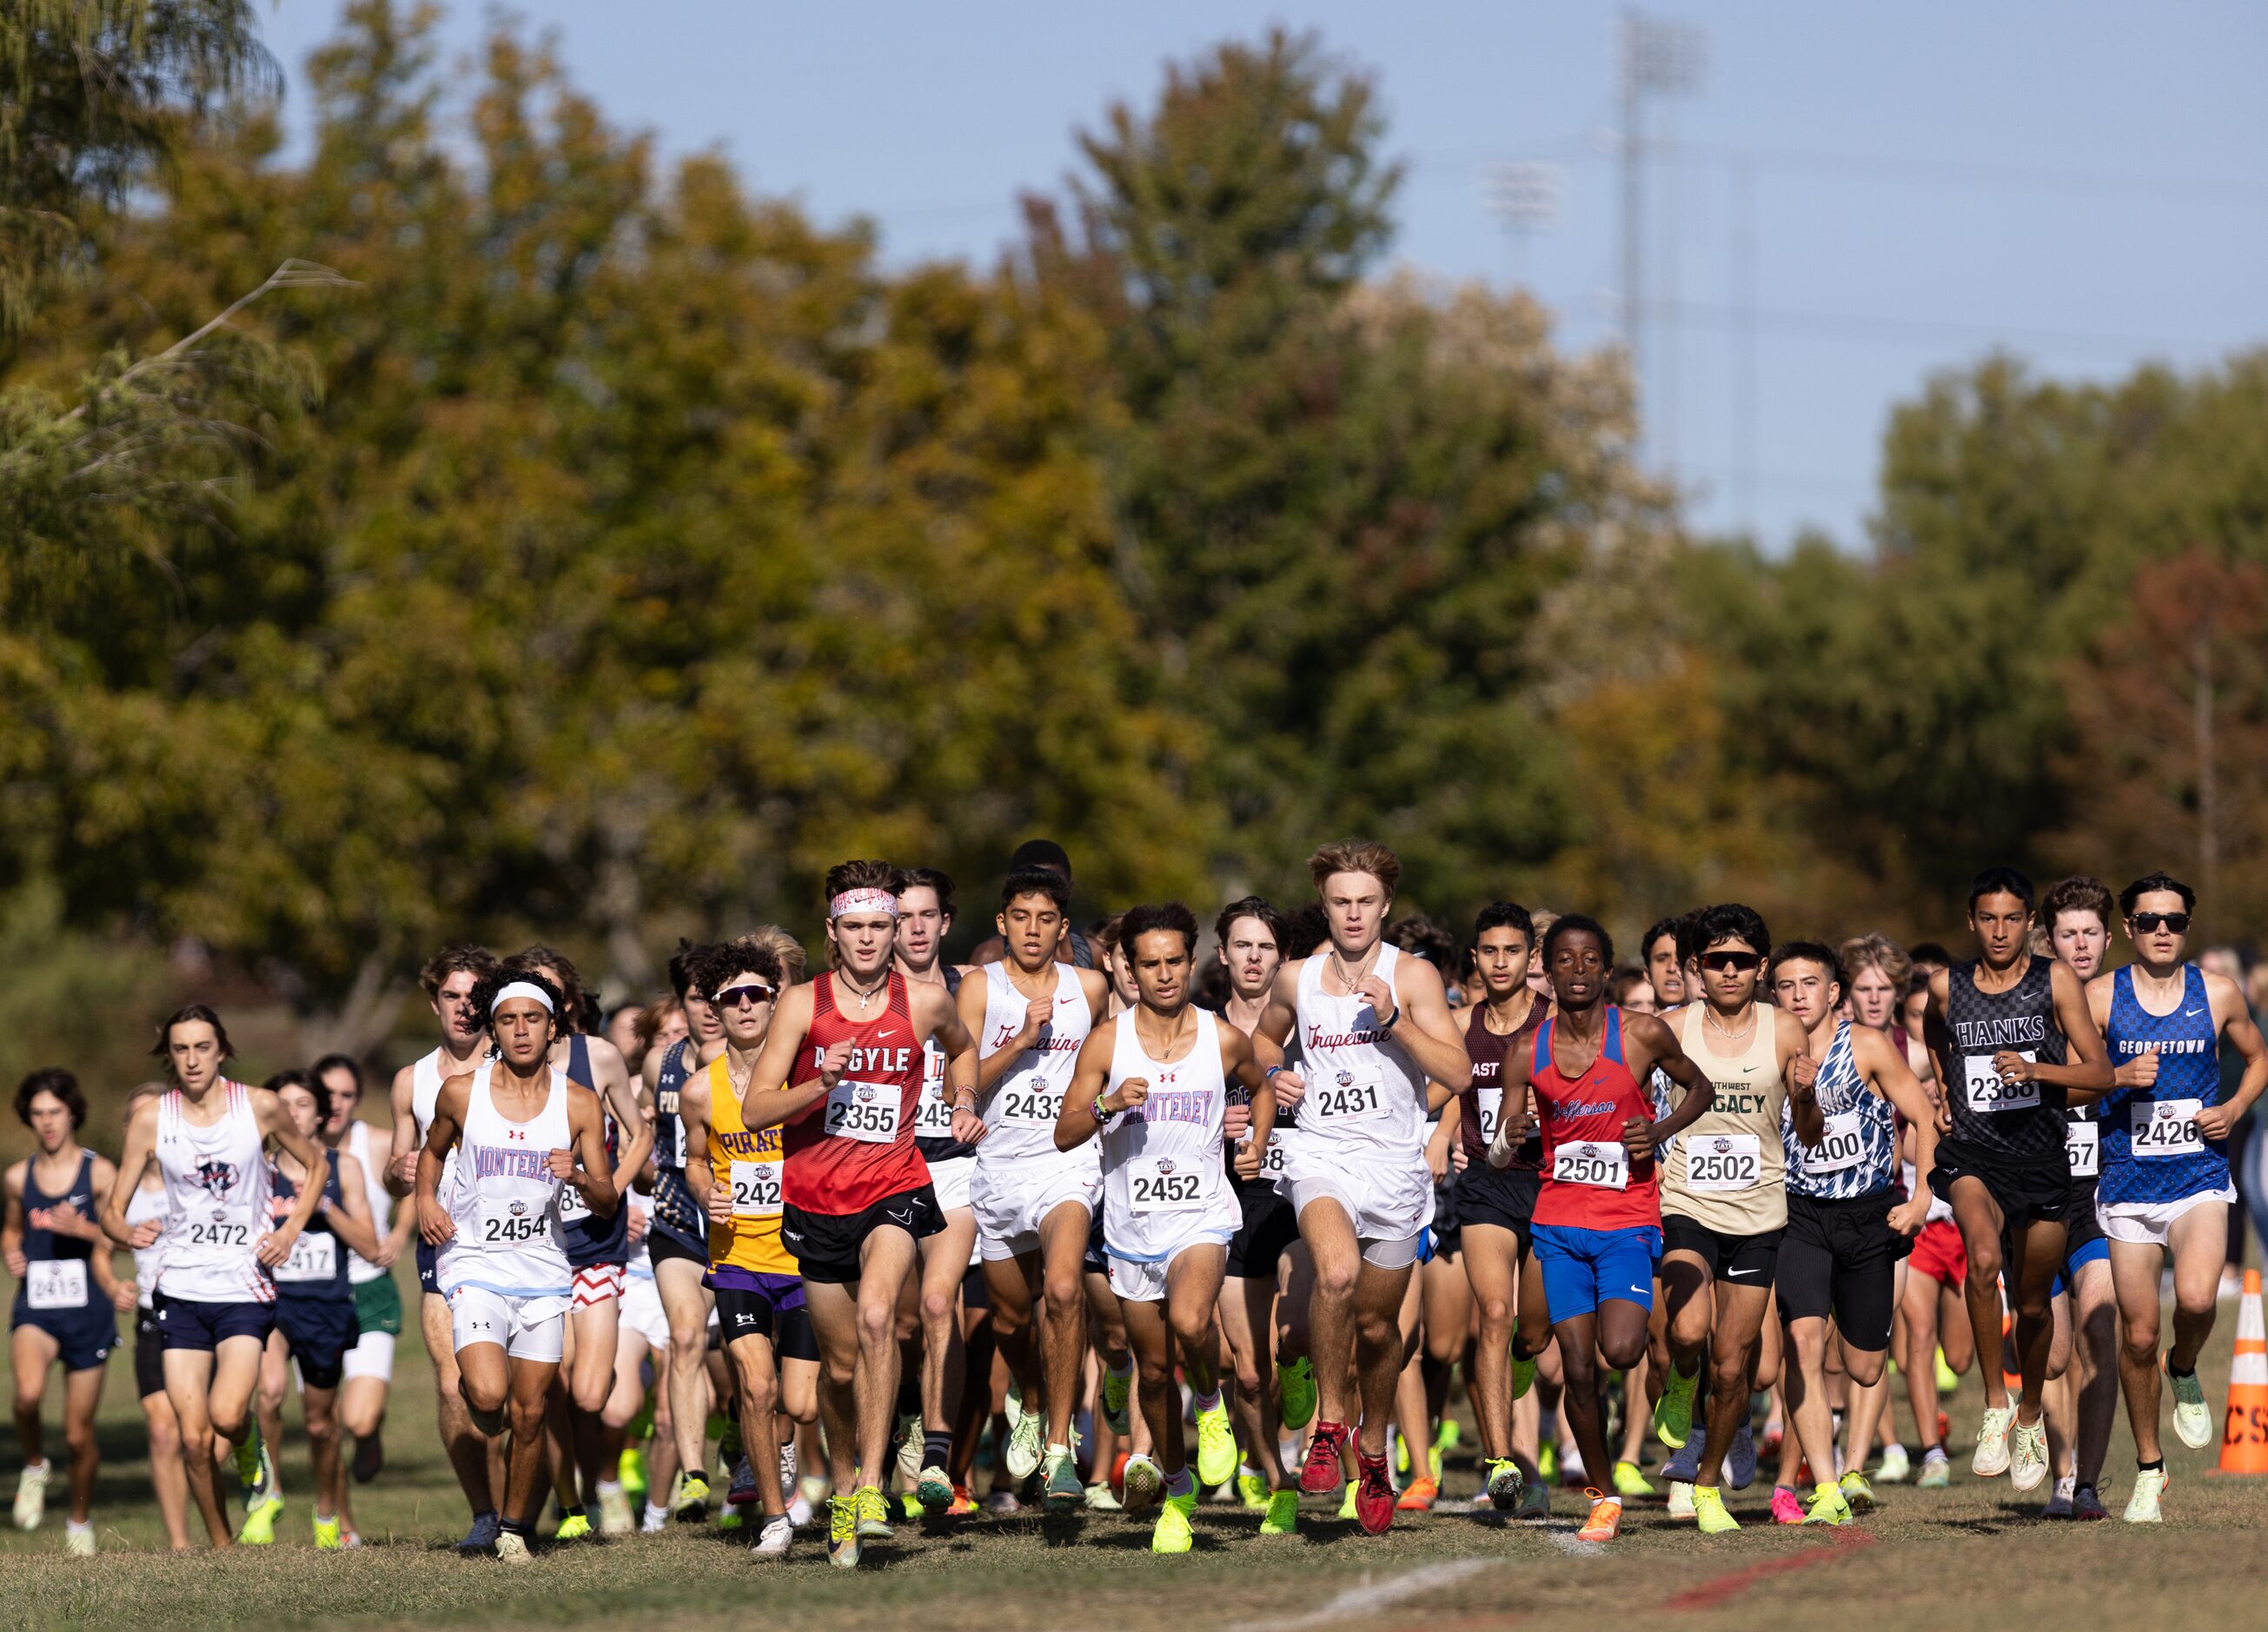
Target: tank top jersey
1481, 1104
1280, 1137
1859, 1155
148, 1262
2017, 1125
1025, 1102
425, 1079
855, 1146
1366, 1099
357, 1144
316, 1271
746, 1166
1162, 1185
1728, 1169
58, 1275
2151, 1152
1589, 1182
215, 1200
673, 1211
933, 1122
504, 1199
591, 1240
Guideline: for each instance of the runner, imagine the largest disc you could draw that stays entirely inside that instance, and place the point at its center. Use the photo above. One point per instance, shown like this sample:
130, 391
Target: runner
1079, 950
1596, 1228
1035, 1204
66, 1299
314, 1312
1847, 1224
523, 1133
1374, 1030
168, 1477
767, 1339
2165, 1159
855, 1197
1154, 1082
216, 1300
2021, 1047
377, 1304
1663, 970
1724, 1198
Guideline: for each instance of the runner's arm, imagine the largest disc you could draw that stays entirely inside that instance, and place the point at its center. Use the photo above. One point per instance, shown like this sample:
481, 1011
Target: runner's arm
1661, 1047
1882, 1067
1794, 1044
12, 1226
121, 1293
401, 1152
591, 1173
141, 1141
1240, 1063
1076, 1124
693, 1116
762, 1107
2091, 1077
1511, 1115
275, 1123
350, 1219
435, 1227
1423, 1025
2235, 1018
1270, 1032
392, 1245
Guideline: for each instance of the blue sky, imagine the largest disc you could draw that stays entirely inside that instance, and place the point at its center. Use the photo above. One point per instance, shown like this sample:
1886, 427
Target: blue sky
2080, 184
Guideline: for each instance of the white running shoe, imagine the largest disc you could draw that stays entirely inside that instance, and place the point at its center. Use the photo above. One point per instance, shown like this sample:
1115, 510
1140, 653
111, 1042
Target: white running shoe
2142, 1506
2028, 1459
2059, 1504
615, 1516
1681, 1499
79, 1540
31, 1494
1027, 1440
1144, 1481
2192, 1418
511, 1549
798, 1511
778, 1535
790, 1488
1991, 1458
1896, 1467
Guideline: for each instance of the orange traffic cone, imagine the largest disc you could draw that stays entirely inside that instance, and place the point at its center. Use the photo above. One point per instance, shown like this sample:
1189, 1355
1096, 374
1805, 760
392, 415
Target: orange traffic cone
2245, 1434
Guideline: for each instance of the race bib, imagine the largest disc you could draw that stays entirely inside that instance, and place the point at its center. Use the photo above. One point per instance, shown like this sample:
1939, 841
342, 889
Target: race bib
1604, 1164
1346, 1096
513, 1223
757, 1190
1167, 1184
1723, 1161
1029, 1100
315, 1257
2082, 1148
866, 1112
933, 1116
218, 1232
572, 1208
56, 1283
1988, 1091
1491, 1102
2167, 1128
1844, 1148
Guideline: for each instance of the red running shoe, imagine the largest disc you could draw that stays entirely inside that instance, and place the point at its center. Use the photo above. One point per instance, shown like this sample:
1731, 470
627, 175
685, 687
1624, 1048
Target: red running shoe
1320, 1473
1373, 1495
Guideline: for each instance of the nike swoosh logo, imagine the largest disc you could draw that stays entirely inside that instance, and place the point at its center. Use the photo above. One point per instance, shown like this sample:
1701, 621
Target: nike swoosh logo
1737, 1274
2191, 1014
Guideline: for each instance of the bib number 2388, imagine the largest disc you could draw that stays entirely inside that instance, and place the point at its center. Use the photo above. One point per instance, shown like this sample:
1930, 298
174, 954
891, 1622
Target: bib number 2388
1988, 1091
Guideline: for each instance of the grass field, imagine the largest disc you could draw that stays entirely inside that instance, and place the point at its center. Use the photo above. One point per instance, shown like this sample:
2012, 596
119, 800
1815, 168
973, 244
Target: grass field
1971, 1556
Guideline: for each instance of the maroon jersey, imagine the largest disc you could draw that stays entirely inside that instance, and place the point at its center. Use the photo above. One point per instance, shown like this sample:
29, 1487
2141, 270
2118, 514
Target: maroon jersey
1480, 1104
856, 1147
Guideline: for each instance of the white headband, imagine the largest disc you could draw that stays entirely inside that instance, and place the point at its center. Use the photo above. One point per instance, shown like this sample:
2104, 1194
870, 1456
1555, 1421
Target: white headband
523, 989
862, 901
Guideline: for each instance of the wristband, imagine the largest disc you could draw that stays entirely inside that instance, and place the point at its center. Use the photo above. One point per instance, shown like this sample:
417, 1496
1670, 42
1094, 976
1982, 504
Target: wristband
1103, 1112
1391, 1021
1268, 1076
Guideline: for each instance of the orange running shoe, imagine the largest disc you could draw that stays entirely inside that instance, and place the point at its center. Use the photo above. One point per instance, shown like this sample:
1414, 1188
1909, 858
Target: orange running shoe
1606, 1520
1420, 1497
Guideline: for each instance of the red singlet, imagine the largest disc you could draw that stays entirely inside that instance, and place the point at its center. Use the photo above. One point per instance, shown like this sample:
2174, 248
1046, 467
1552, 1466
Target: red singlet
856, 1147
1592, 1107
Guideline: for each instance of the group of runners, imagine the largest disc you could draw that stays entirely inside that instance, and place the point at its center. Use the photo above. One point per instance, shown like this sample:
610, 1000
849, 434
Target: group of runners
1046, 1224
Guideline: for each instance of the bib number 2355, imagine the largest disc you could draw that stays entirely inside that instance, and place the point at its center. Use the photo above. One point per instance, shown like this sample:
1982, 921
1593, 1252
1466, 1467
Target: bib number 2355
866, 1112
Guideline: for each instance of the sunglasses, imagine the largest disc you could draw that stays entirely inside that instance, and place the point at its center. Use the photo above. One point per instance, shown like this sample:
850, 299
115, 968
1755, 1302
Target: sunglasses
1728, 962
743, 996
2151, 922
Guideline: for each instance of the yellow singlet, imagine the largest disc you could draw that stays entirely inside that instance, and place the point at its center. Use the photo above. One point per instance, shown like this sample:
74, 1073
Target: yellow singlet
746, 1166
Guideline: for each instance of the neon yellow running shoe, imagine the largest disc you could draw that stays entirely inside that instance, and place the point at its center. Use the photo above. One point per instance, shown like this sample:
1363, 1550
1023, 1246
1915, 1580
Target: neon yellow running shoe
1295, 1393
1173, 1533
1346, 1507
247, 1459
1672, 1418
1858, 1492
631, 1471
728, 1517
1216, 1446
1630, 1481
1449, 1435
1827, 1506
1709, 1511
1547, 1465
1283, 1516
873, 1514
1117, 1389
843, 1532
260, 1523
1948, 1380
327, 1538
574, 1527
1523, 1376
1251, 1491
692, 1503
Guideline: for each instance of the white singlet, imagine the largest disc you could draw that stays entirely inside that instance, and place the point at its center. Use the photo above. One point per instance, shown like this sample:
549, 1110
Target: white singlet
504, 1201
425, 1079
215, 1200
148, 1262
1022, 1110
1163, 1185
360, 1270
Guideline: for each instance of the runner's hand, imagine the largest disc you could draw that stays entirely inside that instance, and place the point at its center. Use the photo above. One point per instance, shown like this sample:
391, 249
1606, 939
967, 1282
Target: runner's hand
720, 1205
1374, 990
639, 1225
434, 1223
2214, 1121
1037, 1014
968, 1127
562, 1164
125, 1294
2141, 1071
834, 1063
146, 1232
1248, 1160
276, 1245
1291, 1088
2013, 1068
1802, 1073
17, 1264
1437, 1159
1908, 1216
1235, 1122
1133, 1091
389, 1249
1638, 1139
1458, 1159
405, 1168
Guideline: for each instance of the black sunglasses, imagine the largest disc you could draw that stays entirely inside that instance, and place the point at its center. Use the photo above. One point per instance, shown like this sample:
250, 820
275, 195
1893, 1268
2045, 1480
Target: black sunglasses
738, 996
2151, 922
1724, 962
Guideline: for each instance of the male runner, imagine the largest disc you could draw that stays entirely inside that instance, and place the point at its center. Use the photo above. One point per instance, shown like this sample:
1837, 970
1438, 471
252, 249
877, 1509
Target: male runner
522, 1133
448, 980
1663, 970
1155, 1081
1847, 1226
377, 1304
66, 1299
1724, 1196
856, 1197
1374, 1029
1596, 1229
216, 1299
1034, 1203
2165, 1179
2020, 1047
1077, 950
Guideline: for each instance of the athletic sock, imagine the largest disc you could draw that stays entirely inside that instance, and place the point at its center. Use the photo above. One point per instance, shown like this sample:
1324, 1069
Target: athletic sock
1935, 1454
2175, 1371
1119, 1368
513, 1528
1179, 1484
2158, 1466
656, 1515
79, 1526
937, 1449
1206, 1402
610, 1487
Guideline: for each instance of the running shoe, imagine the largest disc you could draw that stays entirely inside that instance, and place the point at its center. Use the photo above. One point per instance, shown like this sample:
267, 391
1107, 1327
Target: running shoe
615, 1516
260, 1523
31, 1494
1117, 1389
775, 1538
631, 1471
1948, 1380
1896, 1467
1535, 1501
2142, 1506
843, 1532
1251, 1491
1347, 1496
1504, 1484
1826, 1507
692, 1504
327, 1538
1173, 1533
1003, 1501
1523, 1376
482, 1537
1373, 1502
1063, 1489
1786, 1509
370, 1457
910, 1447
1680, 1498
1672, 1416
1858, 1492
1320, 1473
1449, 1437
964, 1501
1991, 1458
799, 1510
1936, 1471
728, 1517
2087, 1504
1283, 1516
742, 1492
1685, 1465
934, 1490
1100, 1498
1741, 1458
1401, 1451
1547, 1465
1216, 1446
248, 1463
873, 1514
2192, 1418
1709, 1511
2059, 1499
1295, 1392
2027, 1457
1419, 1496
1143, 1482
1027, 1438
511, 1547
575, 1527
79, 1540
1606, 1520
1630, 1481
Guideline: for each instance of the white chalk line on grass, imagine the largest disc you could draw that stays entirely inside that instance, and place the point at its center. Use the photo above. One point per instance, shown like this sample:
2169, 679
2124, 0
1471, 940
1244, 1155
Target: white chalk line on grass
1368, 1595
